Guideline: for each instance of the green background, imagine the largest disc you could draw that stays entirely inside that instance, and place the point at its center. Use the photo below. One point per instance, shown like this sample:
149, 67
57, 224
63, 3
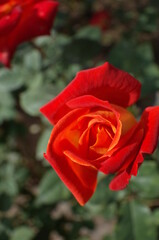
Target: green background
34, 203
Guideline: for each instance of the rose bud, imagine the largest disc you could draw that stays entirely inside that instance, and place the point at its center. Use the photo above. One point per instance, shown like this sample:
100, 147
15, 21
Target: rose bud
94, 132
21, 21
101, 19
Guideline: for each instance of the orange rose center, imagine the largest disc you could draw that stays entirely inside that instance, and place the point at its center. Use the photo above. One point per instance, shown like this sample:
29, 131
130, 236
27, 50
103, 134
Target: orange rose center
94, 133
100, 131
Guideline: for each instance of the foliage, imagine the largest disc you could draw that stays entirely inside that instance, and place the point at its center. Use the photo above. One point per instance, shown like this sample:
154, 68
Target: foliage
34, 203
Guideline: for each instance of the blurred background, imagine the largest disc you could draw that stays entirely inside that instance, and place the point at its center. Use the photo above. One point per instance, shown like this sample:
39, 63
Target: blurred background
34, 203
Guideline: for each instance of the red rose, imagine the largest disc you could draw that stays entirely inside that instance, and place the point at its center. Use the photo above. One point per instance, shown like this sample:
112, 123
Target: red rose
101, 19
21, 21
95, 132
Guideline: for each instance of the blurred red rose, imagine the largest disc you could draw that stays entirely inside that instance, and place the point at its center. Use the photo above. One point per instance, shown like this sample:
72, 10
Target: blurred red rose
95, 132
101, 19
21, 21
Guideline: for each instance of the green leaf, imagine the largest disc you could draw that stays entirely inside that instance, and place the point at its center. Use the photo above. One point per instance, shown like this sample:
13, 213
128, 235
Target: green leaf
23, 233
111, 237
11, 178
137, 60
42, 143
81, 51
7, 110
145, 184
5, 202
156, 217
51, 189
4, 231
135, 222
34, 98
147, 20
103, 201
89, 32
32, 60
11, 79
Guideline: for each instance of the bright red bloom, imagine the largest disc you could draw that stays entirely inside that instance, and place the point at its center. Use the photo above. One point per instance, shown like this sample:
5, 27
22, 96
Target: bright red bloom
101, 19
21, 21
95, 132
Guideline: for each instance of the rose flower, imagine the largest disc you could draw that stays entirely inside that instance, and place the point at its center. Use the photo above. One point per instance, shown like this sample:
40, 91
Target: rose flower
95, 132
101, 19
21, 21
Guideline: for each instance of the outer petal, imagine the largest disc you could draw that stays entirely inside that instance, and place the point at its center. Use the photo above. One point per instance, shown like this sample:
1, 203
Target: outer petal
81, 180
123, 157
125, 162
78, 176
105, 82
120, 181
148, 128
150, 123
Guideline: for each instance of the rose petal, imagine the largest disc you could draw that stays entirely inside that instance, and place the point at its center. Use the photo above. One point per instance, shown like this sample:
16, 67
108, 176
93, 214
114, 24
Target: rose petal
36, 20
126, 118
120, 181
7, 23
133, 169
150, 123
128, 158
88, 101
93, 102
73, 157
81, 180
115, 163
62, 131
102, 19
105, 82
